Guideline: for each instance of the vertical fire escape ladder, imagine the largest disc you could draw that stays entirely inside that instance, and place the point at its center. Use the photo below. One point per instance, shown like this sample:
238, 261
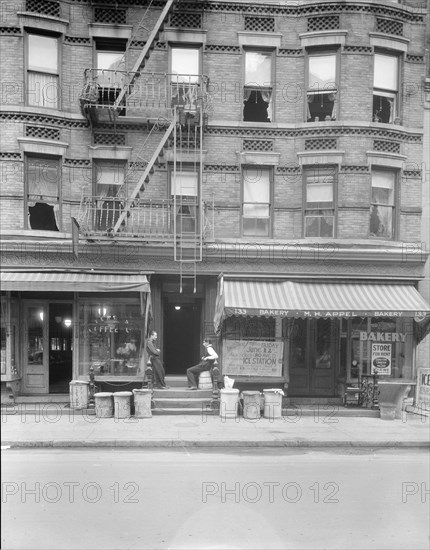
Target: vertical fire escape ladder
144, 54
188, 211
148, 170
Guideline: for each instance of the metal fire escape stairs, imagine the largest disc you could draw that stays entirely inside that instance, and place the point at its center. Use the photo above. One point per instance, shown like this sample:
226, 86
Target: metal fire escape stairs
188, 133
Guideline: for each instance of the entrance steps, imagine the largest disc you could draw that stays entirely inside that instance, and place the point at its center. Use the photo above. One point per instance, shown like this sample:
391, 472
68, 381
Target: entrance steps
179, 399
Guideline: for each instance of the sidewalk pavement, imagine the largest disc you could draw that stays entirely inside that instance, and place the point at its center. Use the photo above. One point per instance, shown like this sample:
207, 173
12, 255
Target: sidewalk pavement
318, 430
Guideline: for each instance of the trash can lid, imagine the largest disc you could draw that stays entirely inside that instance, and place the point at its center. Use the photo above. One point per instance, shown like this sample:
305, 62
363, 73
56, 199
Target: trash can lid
142, 390
249, 392
122, 394
103, 394
77, 382
229, 390
274, 390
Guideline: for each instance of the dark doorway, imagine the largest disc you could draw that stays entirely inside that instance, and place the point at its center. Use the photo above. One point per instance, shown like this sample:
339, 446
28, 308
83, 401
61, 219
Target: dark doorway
181, 336
60, 347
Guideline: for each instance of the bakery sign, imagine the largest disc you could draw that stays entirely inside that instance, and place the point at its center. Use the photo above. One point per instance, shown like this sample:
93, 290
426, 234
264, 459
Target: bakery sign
252, 358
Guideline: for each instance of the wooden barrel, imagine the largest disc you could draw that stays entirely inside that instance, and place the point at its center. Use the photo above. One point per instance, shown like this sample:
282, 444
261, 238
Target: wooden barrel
205, 381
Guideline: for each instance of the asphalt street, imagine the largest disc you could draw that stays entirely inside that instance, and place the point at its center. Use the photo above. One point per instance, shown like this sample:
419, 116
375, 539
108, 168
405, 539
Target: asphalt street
215, 498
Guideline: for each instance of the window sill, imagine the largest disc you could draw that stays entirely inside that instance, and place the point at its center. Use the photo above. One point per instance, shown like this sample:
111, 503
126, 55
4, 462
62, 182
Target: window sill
45, 22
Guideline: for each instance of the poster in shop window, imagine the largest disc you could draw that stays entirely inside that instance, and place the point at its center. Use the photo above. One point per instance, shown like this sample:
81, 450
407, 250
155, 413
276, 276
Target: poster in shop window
252, 358
423, 390
381, 358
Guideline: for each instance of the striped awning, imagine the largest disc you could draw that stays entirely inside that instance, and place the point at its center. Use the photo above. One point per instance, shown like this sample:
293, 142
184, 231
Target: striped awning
312, 299
72, 282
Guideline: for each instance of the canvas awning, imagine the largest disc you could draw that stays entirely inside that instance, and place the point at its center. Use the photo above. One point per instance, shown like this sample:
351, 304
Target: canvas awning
313, 299
72, 282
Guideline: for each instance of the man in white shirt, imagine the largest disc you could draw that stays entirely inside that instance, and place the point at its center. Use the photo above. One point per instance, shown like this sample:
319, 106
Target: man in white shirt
205, 364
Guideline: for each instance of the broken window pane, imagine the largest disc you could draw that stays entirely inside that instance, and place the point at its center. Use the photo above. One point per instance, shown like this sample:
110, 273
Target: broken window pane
42, 217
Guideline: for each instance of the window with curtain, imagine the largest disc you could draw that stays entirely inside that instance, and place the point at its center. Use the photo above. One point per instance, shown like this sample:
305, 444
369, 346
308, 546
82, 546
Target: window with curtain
110, 193
382, 204
184, 187
43, 183
385, 88
110, 63
184, 78
43, 88
256, 207
319, 201
258, 88
322, 87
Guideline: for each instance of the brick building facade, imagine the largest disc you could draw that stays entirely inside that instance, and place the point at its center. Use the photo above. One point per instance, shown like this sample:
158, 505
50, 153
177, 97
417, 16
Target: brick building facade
167, 163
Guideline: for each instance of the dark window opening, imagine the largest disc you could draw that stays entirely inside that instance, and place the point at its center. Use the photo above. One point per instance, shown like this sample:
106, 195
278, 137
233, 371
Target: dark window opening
321, 107
382, 108
255, 107
319, 225
42, 217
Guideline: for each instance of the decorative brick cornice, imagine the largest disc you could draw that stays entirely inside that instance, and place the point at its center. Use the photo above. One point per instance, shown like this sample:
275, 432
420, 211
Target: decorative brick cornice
221, 168
43, 119
222, 48
76, 40
293, 10
412, 58
314, 132
10, 156
358, 49
85, 163
356, 169
10, 31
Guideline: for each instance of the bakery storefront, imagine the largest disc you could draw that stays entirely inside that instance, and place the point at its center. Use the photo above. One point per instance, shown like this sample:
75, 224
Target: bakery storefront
314, 338
56, 325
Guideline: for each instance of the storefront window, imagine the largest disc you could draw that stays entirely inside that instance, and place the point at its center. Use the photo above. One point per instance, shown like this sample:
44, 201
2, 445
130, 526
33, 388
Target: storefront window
110, 338
381, 346
249, 328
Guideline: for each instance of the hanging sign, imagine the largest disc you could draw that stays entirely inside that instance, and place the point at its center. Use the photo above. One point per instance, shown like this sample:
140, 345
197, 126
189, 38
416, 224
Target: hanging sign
252, 358
381, 358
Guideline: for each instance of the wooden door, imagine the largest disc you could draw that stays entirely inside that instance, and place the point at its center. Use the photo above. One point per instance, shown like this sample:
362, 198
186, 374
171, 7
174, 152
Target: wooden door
35, 349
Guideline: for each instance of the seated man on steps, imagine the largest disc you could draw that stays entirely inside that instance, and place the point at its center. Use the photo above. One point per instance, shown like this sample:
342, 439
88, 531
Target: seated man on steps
205, 364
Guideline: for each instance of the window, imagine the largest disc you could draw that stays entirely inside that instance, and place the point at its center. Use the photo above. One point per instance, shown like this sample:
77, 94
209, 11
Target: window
319, 201
43, 184
43, 88
185, 71
110, 65
110, 192
385, 88
256, 201
258, 106
184, 187
382, 204
322, 87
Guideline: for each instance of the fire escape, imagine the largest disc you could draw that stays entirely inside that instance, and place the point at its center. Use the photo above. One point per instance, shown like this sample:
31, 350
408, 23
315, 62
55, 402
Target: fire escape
172, 110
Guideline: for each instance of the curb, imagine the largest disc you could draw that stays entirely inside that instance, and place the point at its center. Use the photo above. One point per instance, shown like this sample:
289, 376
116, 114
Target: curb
165, 443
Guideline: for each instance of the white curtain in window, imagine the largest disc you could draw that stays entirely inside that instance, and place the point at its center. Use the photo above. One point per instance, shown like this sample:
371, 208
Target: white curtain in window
383, 187
320, 192
185, 184
322, 72
43, 90
258, 69
256, 189
385, 72
185, 65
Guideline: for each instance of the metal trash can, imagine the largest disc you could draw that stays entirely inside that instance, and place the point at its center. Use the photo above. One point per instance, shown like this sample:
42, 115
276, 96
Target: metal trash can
122, 404
251, 404
104, 404
79, 394
272, 403
229, 403
142, 403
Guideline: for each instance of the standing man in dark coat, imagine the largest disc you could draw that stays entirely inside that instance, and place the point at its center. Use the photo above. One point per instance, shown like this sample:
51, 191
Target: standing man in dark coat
157, 365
